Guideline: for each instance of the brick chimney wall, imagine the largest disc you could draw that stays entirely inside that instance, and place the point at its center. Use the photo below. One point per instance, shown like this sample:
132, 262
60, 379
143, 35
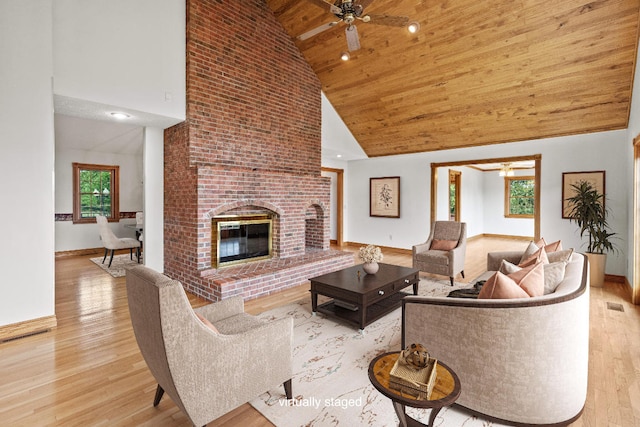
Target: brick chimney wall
251, 143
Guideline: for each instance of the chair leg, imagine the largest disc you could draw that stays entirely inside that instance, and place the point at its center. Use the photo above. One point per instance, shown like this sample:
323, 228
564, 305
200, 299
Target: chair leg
451, 278
106, 251
131, 254
159, 394
462, 272
111, 259
138, 255
287, 389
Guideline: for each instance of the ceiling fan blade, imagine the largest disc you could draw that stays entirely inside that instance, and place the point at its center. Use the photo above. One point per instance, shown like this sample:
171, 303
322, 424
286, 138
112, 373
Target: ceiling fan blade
353, 41
326, 5
391, 21
317, 30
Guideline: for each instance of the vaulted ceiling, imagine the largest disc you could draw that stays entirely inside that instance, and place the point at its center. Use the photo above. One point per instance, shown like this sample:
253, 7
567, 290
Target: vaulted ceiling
477, 72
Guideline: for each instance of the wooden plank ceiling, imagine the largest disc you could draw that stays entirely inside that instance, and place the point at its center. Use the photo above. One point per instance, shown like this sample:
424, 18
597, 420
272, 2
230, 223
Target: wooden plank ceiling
477, 72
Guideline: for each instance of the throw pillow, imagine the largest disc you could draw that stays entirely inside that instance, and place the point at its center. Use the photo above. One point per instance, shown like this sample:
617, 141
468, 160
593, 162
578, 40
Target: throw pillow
531, 279
553, 273
539, 256
531, 249
535, 246
206, 323
443, 245
553, 247
560, 256
500, 286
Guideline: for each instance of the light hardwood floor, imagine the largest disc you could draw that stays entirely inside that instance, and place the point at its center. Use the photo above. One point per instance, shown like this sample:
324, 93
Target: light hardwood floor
89, 371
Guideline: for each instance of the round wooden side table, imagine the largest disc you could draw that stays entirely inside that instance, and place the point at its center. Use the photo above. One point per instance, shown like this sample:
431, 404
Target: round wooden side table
445, 391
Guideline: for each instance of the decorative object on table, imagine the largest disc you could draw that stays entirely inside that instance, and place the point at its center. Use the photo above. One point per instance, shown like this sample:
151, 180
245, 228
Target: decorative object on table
414, 372
384, 197
587, 209
370, 255
415, 356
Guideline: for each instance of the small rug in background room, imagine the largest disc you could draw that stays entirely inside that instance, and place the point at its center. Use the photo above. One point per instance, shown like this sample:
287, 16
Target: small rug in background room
331, 386
119, 266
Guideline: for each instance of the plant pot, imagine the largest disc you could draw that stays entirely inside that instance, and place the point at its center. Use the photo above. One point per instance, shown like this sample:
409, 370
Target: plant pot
370, 267
597, 264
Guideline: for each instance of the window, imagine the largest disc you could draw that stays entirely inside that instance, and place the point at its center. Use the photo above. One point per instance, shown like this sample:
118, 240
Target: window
519, 196
95, 192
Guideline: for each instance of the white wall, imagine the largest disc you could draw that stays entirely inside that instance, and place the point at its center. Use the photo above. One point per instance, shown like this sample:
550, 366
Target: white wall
494, 220
633, 131
154, 198
124, 53
26, 161
70, 236
598, 151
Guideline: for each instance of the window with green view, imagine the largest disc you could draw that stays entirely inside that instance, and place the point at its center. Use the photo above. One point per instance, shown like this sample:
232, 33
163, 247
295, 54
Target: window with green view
95, 192
519, 195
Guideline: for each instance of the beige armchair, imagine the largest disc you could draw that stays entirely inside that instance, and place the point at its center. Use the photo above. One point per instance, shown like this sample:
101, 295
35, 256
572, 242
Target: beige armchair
113, 243
206, 373
444, 251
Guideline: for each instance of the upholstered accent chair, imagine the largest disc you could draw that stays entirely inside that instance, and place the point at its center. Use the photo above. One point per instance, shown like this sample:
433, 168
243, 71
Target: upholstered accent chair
444, 251
211, 359
113, 243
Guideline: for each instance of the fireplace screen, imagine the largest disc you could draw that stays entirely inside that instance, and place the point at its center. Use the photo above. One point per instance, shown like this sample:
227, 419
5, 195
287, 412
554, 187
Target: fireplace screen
242, 240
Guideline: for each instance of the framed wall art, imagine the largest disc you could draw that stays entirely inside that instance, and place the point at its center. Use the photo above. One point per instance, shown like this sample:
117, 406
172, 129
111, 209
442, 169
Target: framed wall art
384, 197
595, 178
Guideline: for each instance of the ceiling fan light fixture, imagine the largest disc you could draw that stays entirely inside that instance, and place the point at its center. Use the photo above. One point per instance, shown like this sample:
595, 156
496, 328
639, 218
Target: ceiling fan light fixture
413, 27
506, 170
345, 56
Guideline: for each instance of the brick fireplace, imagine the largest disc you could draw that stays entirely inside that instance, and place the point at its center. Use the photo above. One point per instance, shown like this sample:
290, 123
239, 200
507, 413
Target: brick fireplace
250, 146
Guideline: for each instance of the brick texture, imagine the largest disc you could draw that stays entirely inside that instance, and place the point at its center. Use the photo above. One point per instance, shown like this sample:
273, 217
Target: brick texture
250, 144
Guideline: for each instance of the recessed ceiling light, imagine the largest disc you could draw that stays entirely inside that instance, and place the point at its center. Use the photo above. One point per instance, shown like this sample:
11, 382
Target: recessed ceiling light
339, 156
119, 115
345, 56
413, 27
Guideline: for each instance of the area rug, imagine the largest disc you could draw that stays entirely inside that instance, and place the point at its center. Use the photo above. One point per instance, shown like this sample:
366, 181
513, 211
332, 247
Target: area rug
119, 266
331, 386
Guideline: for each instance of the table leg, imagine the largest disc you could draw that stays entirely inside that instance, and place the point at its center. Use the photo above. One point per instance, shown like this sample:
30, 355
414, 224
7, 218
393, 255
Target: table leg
415, 288
432, 417
401, 413
314, 302
363, 316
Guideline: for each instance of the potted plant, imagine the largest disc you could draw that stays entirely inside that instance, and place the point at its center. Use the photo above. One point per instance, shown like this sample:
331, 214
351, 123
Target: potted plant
588, 211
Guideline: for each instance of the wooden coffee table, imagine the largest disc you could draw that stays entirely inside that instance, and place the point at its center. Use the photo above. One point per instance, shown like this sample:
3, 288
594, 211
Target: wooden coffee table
370, 296
445, 391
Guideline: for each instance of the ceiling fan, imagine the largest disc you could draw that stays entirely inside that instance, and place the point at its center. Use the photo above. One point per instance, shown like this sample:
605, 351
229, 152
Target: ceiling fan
348, 11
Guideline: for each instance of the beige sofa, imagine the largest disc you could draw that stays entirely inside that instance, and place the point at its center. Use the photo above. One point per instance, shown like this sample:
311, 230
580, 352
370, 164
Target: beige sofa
521, 361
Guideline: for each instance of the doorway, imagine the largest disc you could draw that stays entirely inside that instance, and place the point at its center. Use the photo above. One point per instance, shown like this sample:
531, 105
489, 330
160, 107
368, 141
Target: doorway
455, 187
337, 196
535, 159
